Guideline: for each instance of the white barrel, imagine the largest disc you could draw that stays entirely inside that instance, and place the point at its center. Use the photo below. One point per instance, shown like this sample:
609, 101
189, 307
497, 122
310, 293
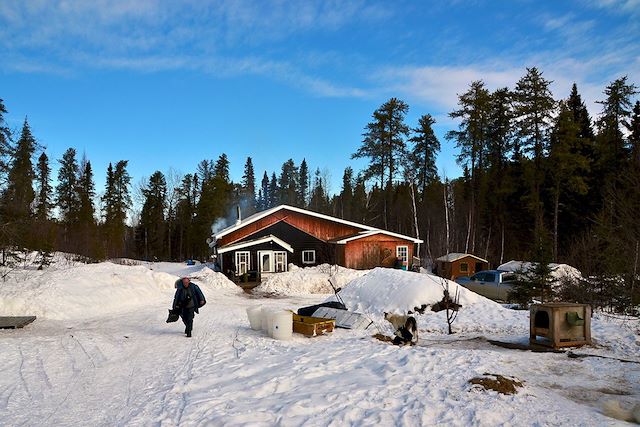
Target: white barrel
282, 325
255, 317
264, 319
270, 313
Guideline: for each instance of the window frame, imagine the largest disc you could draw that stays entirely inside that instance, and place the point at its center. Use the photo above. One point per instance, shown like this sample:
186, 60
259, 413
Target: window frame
238, 254
466, 267
309, 251
404, 258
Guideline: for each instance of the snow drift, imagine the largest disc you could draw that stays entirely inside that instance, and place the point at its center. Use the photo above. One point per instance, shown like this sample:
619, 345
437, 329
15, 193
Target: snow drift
309, 280
97, 289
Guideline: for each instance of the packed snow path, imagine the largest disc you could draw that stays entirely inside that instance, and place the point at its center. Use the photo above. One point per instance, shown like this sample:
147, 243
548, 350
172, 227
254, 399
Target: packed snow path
131, 368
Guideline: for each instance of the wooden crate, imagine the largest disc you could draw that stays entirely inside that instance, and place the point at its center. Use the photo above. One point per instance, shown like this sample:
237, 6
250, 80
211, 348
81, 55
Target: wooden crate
312, 326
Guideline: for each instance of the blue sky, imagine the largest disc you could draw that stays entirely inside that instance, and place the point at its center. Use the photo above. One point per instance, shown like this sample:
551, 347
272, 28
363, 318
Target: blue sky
169, 83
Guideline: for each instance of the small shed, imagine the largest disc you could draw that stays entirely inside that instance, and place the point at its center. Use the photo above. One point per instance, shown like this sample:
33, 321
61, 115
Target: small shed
454, 265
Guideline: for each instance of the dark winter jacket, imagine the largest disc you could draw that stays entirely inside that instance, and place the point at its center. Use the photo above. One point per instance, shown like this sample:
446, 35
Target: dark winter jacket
184, 297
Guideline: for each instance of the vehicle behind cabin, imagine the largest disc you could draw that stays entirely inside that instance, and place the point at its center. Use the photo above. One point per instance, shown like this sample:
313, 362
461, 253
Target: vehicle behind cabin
493, 284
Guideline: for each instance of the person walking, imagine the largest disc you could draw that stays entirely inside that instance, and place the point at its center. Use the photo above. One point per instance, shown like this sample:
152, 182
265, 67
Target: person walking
187, 300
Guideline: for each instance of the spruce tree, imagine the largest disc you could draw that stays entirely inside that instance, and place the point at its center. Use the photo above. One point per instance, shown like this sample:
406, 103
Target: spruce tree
5, 145
288, 184
424, 151
19, 194
534, 108
152, 219
67, 188
249, 188
86, 193
116, 202
346, 195
273, 191
44, 198
634, 136
263, 200
303, 187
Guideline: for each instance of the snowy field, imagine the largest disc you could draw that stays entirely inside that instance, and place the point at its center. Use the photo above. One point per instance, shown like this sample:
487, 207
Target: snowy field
101, 354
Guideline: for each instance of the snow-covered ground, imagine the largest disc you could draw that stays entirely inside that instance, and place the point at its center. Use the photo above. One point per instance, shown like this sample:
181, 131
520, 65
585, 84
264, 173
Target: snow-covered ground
100, 353
309, 280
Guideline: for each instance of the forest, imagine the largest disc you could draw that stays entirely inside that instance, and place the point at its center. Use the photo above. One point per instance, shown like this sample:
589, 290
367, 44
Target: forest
543, 181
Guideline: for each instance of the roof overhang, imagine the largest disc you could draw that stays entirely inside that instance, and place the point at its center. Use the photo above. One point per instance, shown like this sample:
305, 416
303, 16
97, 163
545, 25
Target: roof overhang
369, 233
249, 243
258, 216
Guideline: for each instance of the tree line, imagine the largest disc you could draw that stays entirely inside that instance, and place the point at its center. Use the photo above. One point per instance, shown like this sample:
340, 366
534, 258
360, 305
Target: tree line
542, 180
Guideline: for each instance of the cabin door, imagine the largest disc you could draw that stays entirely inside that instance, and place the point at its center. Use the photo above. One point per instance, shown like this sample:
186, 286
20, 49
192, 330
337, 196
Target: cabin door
272, 261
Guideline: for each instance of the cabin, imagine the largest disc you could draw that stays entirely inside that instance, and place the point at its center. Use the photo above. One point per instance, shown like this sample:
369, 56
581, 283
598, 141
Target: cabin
454, 265
268, 241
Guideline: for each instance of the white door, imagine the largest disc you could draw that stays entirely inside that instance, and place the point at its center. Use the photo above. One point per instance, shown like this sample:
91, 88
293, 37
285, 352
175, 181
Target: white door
265, 261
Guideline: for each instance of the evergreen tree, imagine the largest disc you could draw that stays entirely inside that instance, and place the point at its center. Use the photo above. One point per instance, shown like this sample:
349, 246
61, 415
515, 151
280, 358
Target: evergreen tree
116, 201
303, 187
288, 184
185, 212
472, 140
346, 195
567, 166
67, 188
534, 107
43, 179
152, 219
423, 154
5, 145
273, 191
616, 111
264, 197
19, 194
319, 200
86, 194
634, 136
249, 188
384, 141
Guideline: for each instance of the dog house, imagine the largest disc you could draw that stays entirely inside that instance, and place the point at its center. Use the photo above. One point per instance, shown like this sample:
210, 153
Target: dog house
560, 324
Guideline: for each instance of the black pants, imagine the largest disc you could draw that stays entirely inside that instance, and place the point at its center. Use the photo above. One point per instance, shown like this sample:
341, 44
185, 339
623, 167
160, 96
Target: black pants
187, 318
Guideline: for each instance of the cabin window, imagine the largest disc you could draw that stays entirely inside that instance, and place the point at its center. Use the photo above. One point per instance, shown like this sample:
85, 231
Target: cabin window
402, 252
280, 261
309, 257
242, 262
464, 267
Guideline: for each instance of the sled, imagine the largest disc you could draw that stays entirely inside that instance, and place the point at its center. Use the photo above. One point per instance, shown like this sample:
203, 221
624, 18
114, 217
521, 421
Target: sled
15, 322
344, 318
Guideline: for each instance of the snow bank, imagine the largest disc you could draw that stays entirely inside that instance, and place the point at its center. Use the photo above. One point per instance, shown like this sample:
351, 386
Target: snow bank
558, 271
397, 291
389, 290
96, 289
309, 280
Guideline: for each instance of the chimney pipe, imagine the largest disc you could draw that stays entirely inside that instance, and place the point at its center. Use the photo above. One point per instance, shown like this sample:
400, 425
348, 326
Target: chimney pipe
239, 216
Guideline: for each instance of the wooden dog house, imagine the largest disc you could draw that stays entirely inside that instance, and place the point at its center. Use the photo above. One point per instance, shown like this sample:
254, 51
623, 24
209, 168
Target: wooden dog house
560, 324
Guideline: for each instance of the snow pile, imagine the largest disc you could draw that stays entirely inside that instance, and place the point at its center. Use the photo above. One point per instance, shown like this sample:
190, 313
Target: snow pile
95, 289
558, 271
206, 278
397, 291
309, 280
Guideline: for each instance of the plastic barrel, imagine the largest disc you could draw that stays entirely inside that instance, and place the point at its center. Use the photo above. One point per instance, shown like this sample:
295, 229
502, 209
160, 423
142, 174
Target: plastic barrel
282, 325
255, 317
264, 319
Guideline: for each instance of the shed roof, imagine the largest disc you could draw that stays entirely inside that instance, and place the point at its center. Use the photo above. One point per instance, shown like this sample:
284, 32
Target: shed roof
455, 256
